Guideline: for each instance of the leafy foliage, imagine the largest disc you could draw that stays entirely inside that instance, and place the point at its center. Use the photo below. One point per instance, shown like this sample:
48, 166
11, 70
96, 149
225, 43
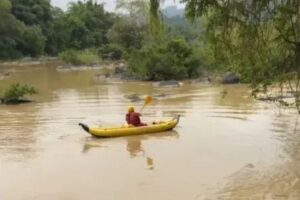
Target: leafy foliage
33, 27
172, 59
127, 33
58, 36
112, 52
32, 12
18, 91
33, 41
80, 57
258, 39
178, 26
87, 24
17, 39
5, 5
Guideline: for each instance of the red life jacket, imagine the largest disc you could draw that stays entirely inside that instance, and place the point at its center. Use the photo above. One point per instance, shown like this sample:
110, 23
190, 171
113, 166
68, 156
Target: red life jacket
133, 118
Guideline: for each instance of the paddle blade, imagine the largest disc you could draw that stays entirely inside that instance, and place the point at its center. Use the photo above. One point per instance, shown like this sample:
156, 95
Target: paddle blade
148, 100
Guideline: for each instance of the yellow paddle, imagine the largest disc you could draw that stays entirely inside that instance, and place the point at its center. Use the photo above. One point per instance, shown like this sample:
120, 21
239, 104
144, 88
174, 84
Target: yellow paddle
147, 101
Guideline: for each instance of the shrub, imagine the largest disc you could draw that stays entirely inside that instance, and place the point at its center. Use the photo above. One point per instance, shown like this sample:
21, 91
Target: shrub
83, 57
18, 91
171, 59
111, 51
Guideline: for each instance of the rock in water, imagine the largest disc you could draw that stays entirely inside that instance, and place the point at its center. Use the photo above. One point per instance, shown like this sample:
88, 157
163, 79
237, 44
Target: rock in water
171, 83
14, 101
133, 97
230, 78
120, 70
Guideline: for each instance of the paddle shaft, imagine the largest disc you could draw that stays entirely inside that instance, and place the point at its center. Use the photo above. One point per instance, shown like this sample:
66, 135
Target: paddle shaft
143, 108
148, 100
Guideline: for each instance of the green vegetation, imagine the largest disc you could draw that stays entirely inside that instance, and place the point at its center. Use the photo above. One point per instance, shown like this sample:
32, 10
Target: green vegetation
16, 93
33, 27
165, 60
80, 57
257, 39
86, 33
112, 52
127, 33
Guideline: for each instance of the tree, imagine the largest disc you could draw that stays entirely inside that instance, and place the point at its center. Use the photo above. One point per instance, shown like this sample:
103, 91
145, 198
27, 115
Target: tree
127, 33
17, 39
32, 12
58, 33
33, 42
165, 60
259, 39
10, 30
87, 23
84, 25
138, 11
180, 26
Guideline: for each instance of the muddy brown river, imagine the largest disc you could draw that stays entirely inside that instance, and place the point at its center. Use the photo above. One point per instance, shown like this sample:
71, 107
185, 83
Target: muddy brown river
226, 147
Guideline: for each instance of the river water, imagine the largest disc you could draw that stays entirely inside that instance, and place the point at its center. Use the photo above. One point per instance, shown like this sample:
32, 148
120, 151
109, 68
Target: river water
227, 145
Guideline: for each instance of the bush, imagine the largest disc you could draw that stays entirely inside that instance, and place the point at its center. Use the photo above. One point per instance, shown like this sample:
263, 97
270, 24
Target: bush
172, 59
83, 57
18, 91
33, 42
111, 51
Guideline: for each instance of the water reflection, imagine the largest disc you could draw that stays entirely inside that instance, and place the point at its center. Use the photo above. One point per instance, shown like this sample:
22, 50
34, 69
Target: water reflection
134, 144
134, 147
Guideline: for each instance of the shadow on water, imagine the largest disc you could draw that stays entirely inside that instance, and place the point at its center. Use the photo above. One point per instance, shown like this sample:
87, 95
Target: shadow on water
134, 144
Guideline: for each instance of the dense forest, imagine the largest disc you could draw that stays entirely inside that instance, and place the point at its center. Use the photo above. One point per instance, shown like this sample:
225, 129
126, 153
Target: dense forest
87, 34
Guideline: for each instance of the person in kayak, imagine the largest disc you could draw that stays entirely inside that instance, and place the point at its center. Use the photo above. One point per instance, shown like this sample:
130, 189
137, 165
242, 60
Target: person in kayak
133, 118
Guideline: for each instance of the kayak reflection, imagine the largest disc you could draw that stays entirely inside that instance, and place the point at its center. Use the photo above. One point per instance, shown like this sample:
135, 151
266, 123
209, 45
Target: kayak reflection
134, 144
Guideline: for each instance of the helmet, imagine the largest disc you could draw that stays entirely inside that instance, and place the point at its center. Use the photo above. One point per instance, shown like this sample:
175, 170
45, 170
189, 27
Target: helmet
130, 109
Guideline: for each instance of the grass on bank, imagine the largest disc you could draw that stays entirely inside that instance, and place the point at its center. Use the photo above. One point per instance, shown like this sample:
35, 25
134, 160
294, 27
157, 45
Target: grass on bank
80, 57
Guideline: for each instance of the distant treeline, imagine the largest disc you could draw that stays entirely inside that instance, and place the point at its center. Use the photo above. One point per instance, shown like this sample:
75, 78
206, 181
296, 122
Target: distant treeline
86, 34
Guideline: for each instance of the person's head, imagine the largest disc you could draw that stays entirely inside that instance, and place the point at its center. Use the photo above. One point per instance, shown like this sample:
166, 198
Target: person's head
130, 109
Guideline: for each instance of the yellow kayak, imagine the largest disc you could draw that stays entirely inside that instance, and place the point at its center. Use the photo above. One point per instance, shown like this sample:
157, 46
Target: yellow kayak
131, 130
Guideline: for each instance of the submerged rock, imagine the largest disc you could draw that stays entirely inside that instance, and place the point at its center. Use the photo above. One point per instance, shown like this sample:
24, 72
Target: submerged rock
14, 101
230, 78
122, 73
133, 97
99, 77
120, 69
203, 80
171, 83
4, 75
161, 95
136, 97
129, 77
